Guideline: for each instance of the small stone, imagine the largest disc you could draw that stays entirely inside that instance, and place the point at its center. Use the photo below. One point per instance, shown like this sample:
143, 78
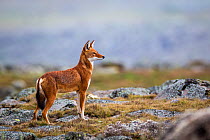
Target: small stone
91, 96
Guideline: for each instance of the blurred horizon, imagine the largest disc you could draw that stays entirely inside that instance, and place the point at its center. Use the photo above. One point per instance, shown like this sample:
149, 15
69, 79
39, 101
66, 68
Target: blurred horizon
133, 33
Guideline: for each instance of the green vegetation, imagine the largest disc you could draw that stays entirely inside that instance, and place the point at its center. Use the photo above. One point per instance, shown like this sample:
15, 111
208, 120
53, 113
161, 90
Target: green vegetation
140, 78
143, 78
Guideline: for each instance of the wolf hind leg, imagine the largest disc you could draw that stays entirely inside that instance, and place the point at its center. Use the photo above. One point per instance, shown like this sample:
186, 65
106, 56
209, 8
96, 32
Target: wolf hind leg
36, 113
49, 103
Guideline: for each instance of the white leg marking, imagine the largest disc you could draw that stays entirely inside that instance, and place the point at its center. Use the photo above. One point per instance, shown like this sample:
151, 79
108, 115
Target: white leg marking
78, 104
88, 83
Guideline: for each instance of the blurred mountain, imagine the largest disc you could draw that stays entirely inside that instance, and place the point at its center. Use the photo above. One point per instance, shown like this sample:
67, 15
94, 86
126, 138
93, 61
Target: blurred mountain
133, 33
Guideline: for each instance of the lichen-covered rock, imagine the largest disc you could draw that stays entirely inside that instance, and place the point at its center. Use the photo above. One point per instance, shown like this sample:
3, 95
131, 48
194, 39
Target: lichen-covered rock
105, 101
102, 93
24, 93
63, 104
192, 126
182, 88
14, 116
125, 92
68, 118
158, 113
78, 136
149, 129
118, 138
47, 128
2, 128
13, 135
60, 137
10, 103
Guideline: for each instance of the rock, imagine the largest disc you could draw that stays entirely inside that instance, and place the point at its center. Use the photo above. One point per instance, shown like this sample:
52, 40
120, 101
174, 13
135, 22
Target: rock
14, 116
46, 128
78, 136
158, 89
105, 101
158, 113
63, 104
70, 95
125, 92
91, 96
10, 103
102, 93
174, 101
19, 84
60, 137
182, 88
149, 129
24, 93
116, 116
193, 126
7, 91
118, 138
13, 135
3, 128
68, 118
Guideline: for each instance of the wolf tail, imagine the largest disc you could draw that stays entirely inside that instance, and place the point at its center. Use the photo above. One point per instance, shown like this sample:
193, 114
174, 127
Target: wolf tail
40, 97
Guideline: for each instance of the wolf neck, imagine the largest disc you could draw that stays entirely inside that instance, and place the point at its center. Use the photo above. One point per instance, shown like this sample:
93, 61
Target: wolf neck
85, 63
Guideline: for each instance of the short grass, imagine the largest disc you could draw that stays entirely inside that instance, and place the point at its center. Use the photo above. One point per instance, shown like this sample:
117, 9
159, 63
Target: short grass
102, 115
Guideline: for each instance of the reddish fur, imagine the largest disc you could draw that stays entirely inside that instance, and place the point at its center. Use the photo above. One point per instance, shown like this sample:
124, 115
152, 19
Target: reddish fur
74, 79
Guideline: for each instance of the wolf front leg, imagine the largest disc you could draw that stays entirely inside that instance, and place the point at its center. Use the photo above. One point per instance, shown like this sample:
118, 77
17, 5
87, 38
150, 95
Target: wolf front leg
81, 105
78, 105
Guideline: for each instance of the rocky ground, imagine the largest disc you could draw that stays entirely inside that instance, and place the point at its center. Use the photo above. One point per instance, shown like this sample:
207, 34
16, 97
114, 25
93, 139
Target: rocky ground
124, 113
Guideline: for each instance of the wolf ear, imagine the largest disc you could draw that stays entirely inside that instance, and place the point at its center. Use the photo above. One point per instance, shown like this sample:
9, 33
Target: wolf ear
87, 46
92, 44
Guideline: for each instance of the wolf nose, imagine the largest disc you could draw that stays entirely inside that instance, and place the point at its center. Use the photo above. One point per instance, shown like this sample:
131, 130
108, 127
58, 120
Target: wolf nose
103, 57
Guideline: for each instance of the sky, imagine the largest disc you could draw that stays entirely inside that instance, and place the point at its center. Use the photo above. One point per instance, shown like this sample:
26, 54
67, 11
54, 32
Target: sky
135, 32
